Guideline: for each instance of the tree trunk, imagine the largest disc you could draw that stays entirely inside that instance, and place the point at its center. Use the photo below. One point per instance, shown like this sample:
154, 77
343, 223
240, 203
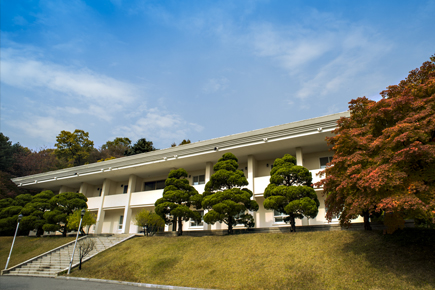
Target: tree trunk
80, 265
230, 225
366, 216
39, 232
64, 231
145, 231
174, 224
180, 226
292, 224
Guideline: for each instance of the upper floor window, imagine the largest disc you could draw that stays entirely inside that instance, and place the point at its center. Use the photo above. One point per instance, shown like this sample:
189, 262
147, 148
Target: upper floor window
125, 189
324, 161
153, 185
199, 179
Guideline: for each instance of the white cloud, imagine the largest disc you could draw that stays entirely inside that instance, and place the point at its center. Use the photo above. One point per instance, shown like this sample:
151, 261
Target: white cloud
43, 128
215, 85
30, 73
324, 60
158, 125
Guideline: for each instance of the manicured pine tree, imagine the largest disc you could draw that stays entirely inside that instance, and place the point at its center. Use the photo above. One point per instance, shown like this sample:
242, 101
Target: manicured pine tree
224, 196
290, 191
61, 206
178, 197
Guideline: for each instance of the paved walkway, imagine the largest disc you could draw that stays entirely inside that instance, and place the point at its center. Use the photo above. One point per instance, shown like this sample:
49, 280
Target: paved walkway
42, 283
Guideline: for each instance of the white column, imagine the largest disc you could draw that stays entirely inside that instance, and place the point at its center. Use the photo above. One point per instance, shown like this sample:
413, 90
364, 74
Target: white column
251, 172
252, 167
208, 173
299, 157
84, 188
101, 213
300, 162
127, 210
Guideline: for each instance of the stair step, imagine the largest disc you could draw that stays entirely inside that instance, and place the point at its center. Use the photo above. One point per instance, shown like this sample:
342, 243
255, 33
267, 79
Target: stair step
57, 261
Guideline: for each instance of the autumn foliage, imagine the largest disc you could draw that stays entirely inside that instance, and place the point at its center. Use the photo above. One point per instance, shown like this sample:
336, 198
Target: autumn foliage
385, 153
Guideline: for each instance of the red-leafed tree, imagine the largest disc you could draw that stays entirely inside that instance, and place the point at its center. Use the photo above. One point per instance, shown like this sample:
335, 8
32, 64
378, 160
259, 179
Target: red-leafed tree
385, 153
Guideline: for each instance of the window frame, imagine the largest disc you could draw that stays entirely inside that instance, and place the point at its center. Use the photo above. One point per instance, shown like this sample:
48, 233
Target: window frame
320, 161
156, 185
199, 181
192, 223
279, 215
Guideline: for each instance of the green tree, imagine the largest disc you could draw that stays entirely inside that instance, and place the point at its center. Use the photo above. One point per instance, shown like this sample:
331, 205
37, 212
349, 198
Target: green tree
7, 187
33, 212
74, 147
149, 221
290, 191
10, 208
74, 220
62, 206
181, 143
385, 154
141, 146
115, 148
178, 198
224, 196
7, 153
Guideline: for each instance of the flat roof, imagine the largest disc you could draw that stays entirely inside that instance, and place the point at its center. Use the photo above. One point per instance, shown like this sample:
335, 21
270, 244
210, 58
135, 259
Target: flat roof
272, 134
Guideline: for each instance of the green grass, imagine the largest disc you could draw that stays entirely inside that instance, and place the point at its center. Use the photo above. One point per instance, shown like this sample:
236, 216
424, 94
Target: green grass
310, 260
27, 247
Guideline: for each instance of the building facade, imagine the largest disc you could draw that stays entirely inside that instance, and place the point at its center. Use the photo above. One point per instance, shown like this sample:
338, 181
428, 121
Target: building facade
118, 189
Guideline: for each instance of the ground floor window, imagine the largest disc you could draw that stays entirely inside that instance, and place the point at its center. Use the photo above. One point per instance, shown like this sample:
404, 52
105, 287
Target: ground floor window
121, 221
196, 224
279, 216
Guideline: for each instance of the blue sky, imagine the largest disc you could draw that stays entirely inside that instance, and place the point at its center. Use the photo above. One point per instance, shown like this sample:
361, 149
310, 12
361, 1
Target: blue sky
172, 70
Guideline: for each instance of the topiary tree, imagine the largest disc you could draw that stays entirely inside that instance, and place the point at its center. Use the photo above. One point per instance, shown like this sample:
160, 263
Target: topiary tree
34, 210
61, 206
178, 197
290, 191
149, 221
224, 196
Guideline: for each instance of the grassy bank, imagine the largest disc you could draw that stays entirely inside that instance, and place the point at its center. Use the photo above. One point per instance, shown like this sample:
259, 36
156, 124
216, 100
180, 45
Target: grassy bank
27, 247
310, 260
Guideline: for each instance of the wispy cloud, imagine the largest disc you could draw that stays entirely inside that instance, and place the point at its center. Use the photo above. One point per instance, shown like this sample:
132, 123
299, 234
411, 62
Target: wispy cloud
28, 73
214, 85
321, 60
42, 128
158, 125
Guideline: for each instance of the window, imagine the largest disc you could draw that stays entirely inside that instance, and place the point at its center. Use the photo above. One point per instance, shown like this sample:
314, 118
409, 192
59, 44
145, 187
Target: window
324, 161
279, 216
125, 189
195, 224
199, 179
99, 191
154, 185
121, 221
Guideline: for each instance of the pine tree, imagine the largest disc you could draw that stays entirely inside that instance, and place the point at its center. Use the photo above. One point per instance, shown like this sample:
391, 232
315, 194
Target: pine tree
290, 191
224, 196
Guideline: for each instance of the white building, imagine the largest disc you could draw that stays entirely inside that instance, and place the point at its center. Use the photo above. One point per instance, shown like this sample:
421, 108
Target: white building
118, 189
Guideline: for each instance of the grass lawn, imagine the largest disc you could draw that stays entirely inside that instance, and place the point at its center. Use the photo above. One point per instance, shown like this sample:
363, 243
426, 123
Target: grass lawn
306, 260
27, 247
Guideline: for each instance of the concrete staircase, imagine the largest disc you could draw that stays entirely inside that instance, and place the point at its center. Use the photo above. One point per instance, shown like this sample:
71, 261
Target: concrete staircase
57, 260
